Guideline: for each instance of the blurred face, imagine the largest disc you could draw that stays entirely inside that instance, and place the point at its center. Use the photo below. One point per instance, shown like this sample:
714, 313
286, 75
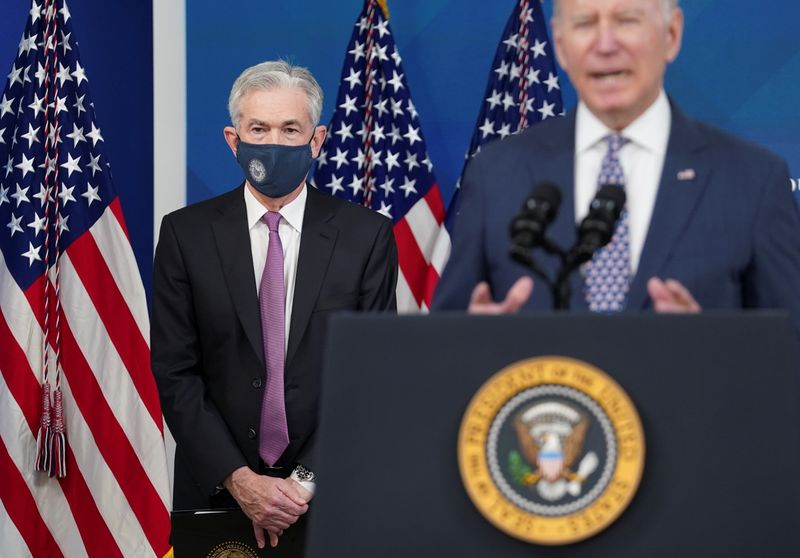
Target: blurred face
615, 53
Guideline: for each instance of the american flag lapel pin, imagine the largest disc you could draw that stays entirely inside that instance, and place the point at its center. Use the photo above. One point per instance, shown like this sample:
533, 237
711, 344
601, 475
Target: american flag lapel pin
686, 174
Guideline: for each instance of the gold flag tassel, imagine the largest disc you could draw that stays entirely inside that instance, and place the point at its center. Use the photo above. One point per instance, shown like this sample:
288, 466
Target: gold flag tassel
385, 8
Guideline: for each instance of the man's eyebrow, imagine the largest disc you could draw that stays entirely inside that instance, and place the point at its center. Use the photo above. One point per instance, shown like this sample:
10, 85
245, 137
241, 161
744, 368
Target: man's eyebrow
257, 122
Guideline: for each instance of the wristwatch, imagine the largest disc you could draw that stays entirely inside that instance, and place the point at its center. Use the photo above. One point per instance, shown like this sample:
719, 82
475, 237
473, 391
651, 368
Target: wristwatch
300, 473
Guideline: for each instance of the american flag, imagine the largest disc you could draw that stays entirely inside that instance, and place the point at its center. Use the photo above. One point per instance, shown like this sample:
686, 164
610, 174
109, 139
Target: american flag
68, 276
375, 154
522, 89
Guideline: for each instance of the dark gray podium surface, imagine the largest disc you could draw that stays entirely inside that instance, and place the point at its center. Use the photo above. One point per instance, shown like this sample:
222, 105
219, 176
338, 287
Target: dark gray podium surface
717, 395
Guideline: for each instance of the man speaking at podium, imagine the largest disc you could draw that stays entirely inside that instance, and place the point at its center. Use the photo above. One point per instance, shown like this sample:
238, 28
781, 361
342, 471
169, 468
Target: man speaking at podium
709, 220
243, 286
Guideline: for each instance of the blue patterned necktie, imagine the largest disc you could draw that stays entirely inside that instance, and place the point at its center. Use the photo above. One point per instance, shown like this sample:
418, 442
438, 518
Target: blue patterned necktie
608, 273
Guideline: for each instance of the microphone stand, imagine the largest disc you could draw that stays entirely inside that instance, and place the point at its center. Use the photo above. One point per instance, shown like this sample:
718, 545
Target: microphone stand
560, 287
594, 232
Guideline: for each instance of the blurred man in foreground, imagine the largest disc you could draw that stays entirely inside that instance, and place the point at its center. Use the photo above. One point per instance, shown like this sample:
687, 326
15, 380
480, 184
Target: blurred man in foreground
709, 220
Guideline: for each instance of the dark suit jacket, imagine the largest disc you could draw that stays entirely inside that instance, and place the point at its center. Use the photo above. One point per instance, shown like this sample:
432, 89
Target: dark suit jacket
207, 353
730, 234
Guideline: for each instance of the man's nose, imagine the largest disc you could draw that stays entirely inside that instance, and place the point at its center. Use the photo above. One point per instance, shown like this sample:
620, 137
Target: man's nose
607, 39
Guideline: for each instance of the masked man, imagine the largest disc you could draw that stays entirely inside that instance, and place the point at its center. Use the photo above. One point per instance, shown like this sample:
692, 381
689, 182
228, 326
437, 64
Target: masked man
243, 286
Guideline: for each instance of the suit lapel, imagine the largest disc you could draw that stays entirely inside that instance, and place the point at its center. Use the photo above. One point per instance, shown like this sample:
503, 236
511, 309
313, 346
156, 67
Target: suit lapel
683, 181
559, 167
233, 246
316, 246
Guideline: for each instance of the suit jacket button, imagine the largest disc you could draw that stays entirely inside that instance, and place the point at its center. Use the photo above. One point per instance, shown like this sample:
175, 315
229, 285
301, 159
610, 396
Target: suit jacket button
251, 433
256, 383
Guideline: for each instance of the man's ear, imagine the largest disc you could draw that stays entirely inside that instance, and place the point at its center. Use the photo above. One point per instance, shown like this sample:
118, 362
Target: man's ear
555, 26
231, 138
317, 140
674, 34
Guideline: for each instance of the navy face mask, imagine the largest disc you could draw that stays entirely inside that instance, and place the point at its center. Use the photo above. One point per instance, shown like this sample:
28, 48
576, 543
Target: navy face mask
274, 170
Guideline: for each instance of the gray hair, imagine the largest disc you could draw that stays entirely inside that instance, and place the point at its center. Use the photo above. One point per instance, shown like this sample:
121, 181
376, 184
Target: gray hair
667, 7
272, 75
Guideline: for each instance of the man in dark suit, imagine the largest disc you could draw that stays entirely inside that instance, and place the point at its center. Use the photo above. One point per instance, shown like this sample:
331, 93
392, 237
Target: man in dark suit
710, 219
243, 286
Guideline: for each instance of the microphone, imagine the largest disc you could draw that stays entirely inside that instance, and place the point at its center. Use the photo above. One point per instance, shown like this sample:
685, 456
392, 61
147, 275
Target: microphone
529, 226
597, 228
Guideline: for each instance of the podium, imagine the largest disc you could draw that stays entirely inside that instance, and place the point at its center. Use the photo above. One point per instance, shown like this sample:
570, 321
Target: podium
717, 395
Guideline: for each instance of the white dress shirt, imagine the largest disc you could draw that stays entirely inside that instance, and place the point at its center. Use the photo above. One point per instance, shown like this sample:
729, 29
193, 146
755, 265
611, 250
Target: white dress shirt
642, 160
289, 229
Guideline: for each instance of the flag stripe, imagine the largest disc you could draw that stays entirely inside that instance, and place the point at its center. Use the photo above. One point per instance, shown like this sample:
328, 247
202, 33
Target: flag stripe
410, 259
405, 298
19, 377
116, 209
113, 445
18, 502
97, 537
117, 319
120, 392
424, 227
110, 235
119, 534
431, 281
12, 542
441, 251
435, 203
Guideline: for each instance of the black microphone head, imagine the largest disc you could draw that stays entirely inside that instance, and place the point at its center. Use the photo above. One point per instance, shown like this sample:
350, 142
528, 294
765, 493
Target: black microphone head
546, 194
597, 228
611, 198
538, 211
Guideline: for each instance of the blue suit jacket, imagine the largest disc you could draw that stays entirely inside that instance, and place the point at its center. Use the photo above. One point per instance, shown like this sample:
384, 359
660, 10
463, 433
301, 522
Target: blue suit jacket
730, 234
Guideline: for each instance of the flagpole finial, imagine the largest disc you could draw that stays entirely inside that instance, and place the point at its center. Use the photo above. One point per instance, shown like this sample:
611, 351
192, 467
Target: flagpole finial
385, 8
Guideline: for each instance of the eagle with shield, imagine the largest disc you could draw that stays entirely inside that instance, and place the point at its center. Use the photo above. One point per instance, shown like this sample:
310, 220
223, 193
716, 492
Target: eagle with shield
550, 436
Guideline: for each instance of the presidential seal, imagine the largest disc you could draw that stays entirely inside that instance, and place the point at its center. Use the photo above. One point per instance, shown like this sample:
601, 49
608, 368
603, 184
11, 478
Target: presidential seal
232, 549
551, 450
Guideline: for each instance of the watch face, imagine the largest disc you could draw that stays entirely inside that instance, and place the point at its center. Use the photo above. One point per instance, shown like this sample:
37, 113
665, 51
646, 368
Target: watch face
303, 474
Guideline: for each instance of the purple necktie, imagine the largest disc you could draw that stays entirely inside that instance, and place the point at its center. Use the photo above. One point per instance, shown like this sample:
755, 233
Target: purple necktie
274, 433
608, 273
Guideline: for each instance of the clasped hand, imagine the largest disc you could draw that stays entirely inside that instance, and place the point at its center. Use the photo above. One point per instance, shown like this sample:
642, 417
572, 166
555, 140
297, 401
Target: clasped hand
272, 504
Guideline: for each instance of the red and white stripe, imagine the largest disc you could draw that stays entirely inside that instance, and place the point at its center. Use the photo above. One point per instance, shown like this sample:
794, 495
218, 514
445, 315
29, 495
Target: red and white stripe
115, 499
421, 252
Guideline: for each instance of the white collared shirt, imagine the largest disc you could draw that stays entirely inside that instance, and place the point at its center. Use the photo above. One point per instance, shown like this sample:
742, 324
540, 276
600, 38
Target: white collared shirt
642, 160
289, 229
